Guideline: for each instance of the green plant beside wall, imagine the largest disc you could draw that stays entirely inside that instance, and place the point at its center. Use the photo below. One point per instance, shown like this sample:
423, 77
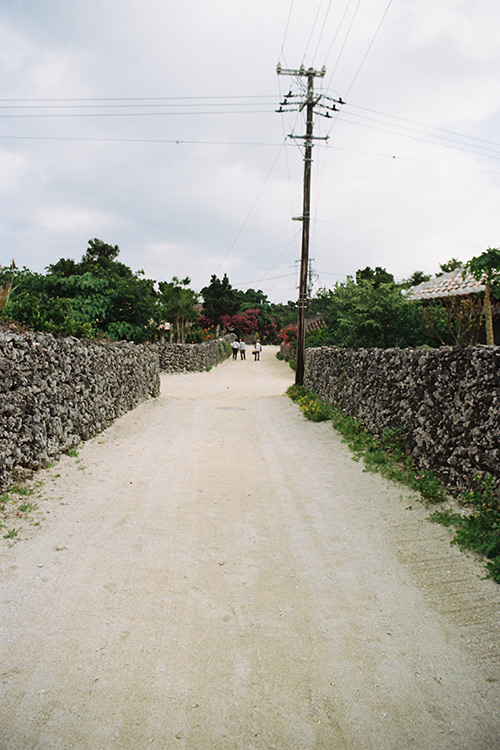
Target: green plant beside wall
478, 529
387, 454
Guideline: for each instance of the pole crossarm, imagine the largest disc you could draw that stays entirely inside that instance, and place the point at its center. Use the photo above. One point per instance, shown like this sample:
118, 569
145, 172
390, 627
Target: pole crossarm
311, 138
300, 72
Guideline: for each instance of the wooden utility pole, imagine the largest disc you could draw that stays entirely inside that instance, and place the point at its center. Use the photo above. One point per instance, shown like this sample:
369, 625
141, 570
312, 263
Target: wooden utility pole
308, 104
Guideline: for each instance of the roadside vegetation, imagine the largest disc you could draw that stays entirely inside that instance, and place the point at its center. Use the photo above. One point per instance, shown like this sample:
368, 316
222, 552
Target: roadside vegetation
370, 309
16, 509
477, 527
99, 297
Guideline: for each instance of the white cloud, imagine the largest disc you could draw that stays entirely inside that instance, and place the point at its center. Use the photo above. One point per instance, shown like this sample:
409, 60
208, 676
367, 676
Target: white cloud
70, 220
196, 209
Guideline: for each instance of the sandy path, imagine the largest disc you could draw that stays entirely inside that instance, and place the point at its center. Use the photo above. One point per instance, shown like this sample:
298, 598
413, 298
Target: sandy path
216, 573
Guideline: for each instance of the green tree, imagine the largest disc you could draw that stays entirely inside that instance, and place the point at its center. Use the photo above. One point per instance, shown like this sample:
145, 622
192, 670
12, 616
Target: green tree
416, 278
101, 253
219, 299
98, 296
284, 314
31, 303
369, 313
486, 267
177, 305
450, 265
376, 277
251, 299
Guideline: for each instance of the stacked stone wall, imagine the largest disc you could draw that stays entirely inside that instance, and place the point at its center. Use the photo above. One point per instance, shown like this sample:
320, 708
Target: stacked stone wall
55, 392
191, 357
446, 402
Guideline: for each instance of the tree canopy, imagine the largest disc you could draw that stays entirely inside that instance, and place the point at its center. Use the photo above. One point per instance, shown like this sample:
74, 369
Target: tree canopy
486, 267
177, 306
370, 311
219, 299
98, 296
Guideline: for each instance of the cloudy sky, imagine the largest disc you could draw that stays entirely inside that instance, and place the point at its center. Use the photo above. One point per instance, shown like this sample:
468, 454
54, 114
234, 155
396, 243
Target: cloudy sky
151, 124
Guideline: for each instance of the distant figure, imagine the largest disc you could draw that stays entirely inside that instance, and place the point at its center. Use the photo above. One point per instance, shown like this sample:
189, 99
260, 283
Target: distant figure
243, 348
235, 347
257, 350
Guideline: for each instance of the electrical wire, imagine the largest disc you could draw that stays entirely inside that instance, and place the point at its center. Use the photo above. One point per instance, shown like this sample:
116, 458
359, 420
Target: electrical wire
134, 114
322, 32
312, 31
176, 141
395, 157
345, 41
251, 210
281, 254
258, 281
341, 23
282, 51
424, 125
393, 234
142, 98
427, 140
368, 48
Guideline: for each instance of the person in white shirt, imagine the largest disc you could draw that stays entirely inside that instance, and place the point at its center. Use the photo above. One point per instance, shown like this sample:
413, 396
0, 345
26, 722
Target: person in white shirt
257, 350
243, 349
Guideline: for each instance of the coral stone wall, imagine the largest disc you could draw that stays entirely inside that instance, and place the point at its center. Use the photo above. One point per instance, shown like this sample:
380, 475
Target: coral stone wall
446, 401
191, 357
56, 392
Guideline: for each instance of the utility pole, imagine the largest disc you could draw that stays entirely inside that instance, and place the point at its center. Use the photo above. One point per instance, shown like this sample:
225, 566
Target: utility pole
310, 102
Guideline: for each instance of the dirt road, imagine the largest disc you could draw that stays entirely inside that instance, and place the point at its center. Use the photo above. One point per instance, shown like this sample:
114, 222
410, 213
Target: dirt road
214, 572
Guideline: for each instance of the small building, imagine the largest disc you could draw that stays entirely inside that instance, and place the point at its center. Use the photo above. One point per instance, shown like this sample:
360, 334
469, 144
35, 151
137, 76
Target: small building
450, 288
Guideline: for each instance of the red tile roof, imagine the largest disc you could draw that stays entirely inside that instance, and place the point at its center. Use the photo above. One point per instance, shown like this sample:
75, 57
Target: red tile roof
448, 285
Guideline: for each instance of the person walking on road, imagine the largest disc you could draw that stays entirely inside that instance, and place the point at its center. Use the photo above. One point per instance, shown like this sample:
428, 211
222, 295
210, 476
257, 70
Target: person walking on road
243, 348
235, 347
257, 350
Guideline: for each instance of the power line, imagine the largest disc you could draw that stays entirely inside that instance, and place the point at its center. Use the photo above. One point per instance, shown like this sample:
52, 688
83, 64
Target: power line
176, 141
427, 140
281, 254
423, 125
369, 48
322, 31
259, 281
141, 98
341, 22
345, 41
392, 234
133, 114
312, 30
282, 53
395, 157
190, 142
126, 106
251, 210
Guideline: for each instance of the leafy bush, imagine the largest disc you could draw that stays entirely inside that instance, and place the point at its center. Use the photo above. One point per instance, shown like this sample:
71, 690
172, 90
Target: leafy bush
310, 404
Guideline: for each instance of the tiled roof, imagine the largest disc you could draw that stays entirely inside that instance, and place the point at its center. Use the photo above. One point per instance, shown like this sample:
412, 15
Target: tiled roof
316, 322
448, 285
